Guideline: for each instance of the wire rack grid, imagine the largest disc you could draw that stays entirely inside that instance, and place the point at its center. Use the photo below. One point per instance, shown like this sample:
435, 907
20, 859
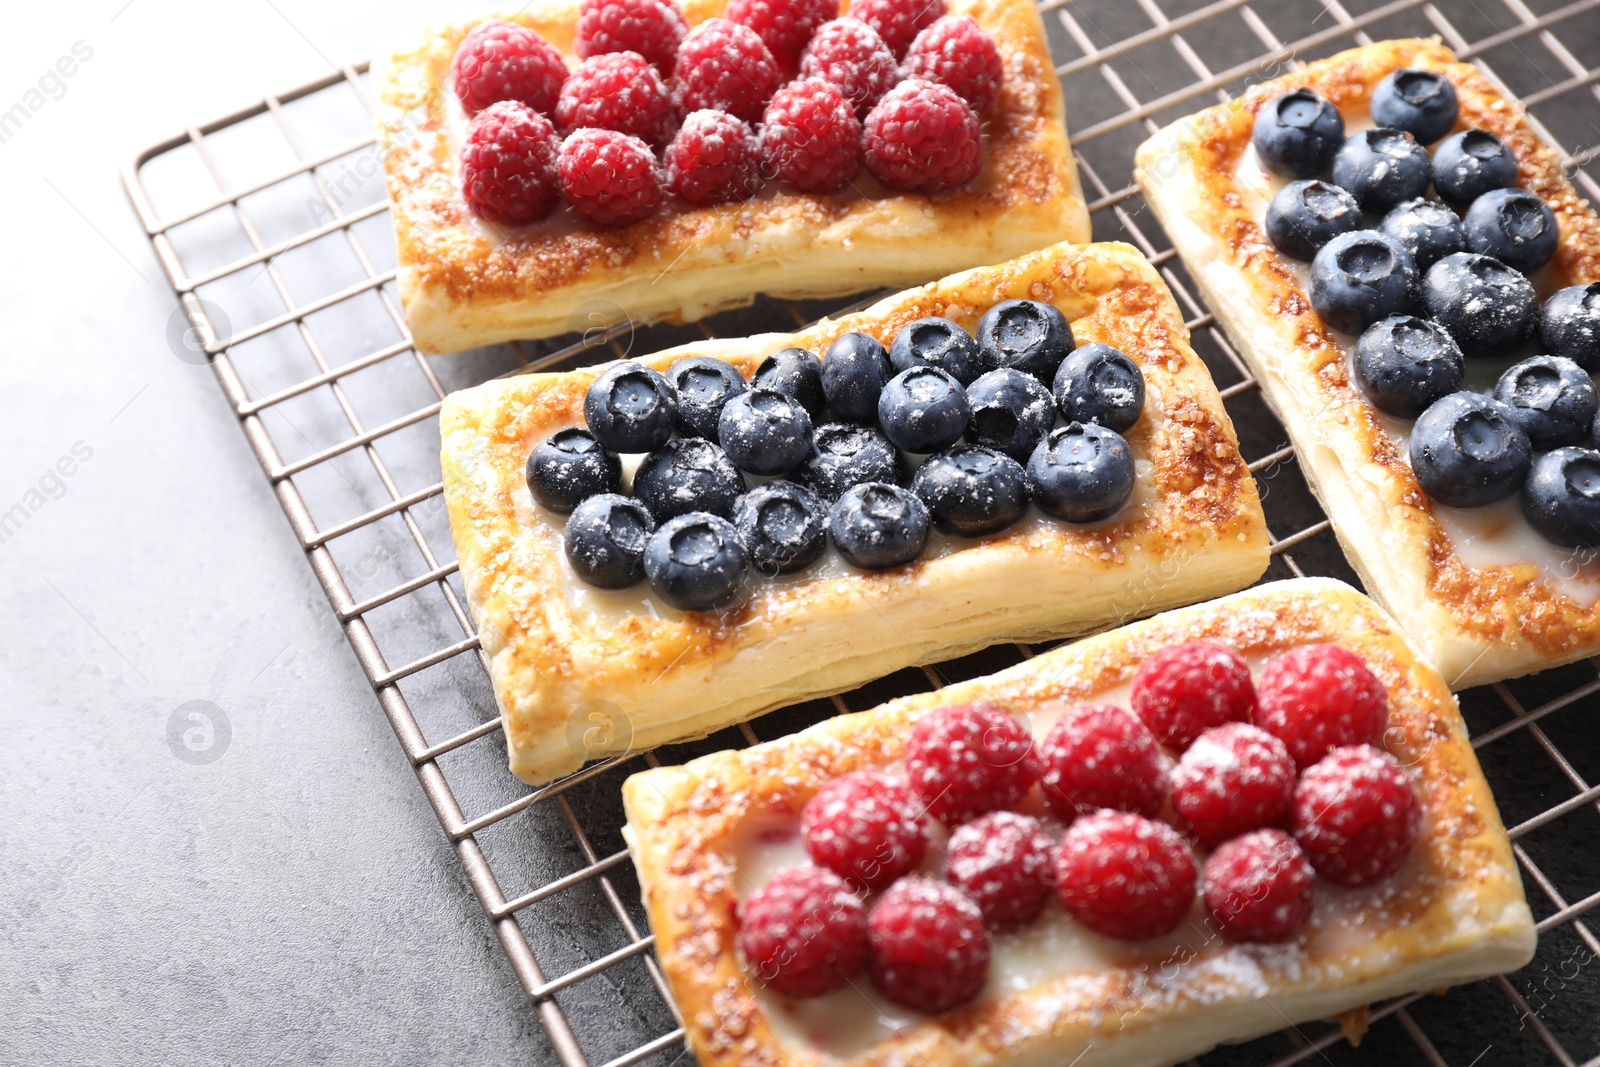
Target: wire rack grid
272, 227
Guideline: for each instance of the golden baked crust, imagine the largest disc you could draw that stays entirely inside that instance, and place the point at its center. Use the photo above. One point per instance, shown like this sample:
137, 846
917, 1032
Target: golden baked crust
560, 660
1475, 623
463, 284
1454, 913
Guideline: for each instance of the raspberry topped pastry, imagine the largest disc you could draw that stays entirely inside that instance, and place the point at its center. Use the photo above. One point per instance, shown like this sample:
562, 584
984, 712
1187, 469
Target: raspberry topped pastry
874, 146
1409, 274
1263, 894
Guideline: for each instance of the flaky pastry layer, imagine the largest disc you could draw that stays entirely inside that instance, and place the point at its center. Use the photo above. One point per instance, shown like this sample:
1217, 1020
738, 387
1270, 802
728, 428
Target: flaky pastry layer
1476, 624
577, 679
464, 282
1454, 913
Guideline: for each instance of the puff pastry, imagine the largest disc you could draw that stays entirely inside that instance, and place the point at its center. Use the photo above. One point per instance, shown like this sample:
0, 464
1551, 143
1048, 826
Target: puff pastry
563, 655
1454, 913
464, 284
1480, 594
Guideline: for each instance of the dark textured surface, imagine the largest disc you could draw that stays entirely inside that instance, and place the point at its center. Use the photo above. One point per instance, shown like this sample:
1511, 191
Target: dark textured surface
279, 891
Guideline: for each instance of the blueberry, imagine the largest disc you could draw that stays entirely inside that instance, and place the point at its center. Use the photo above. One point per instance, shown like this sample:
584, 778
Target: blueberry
853, 374
1486, 306
972, 491
1303, 216
1297, 134
923, 409
1569, 325
1382, 168
697, 562
569, 467
688, 474
878, 525
783, 526
1403, 364
1561, 497
1100, 384
793, 372
765, 432
1466, 165
1418, 101
1551, 398
1029, 335
935, 342
1011, 412
1514, 226
1360, 277
605, 539
843, 455
630, 408
1081, 473
703, 385
1427, 229
1467, 451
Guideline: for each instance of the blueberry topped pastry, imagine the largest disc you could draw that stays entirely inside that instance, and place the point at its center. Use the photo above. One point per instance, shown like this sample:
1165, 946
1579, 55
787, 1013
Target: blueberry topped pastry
1100, 384
1404, 363
1551, 398
1467, 451
854, 372
605, 538
1298, 134
1562, 497
1081, 473
783, 526
1427, 229
702, 385
1486, 306
1569, 325
1027, 335
1514, 226
1305, 215
972, 491
1468, 164
793, 372
936, 342
877, 525
687, 474
697, 562
1011, 412
844, 454
923, 409
1360, 277
1420, 102
630, 408
765, 432
1382, 168
569, 467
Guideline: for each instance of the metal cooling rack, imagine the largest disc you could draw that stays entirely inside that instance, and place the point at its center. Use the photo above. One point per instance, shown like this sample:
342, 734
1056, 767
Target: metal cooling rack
271, 225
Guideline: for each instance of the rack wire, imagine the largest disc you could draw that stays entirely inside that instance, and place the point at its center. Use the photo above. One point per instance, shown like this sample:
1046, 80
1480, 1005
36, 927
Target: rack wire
272, 227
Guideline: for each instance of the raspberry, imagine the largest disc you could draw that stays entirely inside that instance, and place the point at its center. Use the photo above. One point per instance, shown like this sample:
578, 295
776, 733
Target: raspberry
1318, 697
1356, 816
724, 66
851, 55
504, 61
955, 51
714, 158
508, 164
922, 137
617, 91
810, 137
609, 177
930, 951
1259, 887
1125, 876
804, 933
652, 28
1184, 690
897, 21
1098, 756
1003, 862
1233, 779
967, 759
865, 827
784, 26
